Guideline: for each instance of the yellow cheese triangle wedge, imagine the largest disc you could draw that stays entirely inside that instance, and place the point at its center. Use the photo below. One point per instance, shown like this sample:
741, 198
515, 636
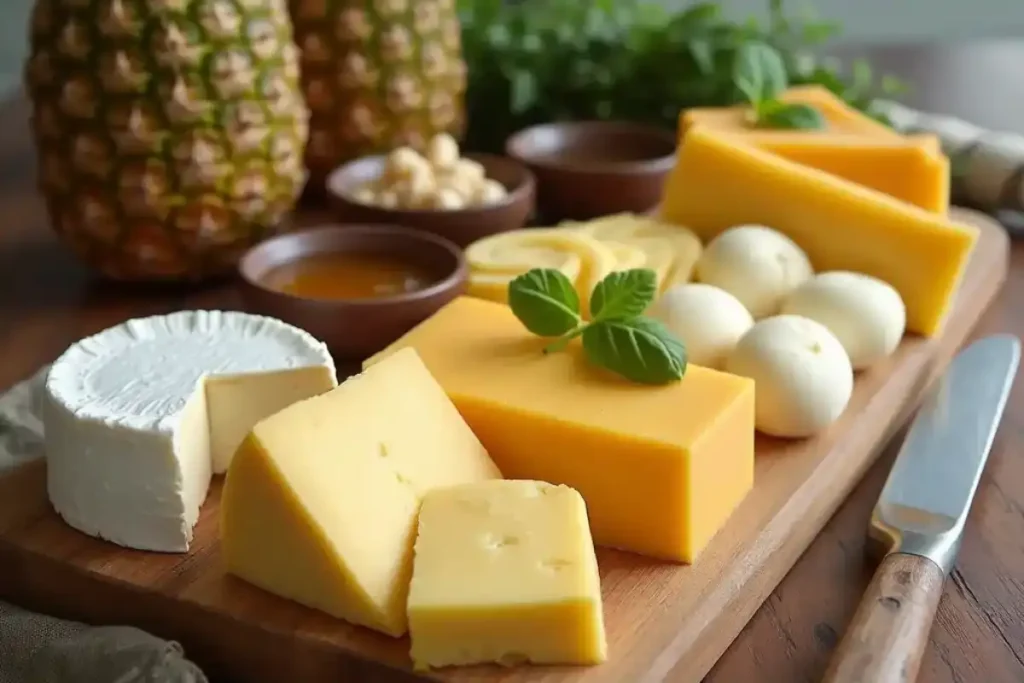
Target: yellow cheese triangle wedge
720, 182
321, 500
853, 146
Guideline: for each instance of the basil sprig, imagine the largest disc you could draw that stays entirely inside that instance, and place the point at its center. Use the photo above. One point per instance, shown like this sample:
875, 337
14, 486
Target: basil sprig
617, 337
759, 72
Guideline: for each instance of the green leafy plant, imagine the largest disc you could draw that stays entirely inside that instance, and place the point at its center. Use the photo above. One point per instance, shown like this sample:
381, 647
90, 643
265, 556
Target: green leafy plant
532, 61
617, 337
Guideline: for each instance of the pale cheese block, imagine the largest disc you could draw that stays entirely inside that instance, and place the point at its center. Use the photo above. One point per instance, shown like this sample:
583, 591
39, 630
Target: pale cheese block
321, 501
237, 402
505, 572
127, 421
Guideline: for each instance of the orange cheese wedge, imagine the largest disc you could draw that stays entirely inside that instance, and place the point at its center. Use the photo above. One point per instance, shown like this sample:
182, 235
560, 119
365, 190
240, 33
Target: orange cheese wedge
720, 181
854, 146
661, 468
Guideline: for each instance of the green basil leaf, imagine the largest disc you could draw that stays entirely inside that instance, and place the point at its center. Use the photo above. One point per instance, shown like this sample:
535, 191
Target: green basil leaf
759, 72
624, 294
545, 301
791, 116
640, 349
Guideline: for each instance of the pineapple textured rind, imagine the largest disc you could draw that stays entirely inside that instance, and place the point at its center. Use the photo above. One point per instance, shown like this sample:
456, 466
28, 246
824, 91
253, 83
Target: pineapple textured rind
170, 133
378, 74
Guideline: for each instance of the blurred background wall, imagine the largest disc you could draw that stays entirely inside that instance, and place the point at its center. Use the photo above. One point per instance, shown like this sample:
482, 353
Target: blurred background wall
881, 20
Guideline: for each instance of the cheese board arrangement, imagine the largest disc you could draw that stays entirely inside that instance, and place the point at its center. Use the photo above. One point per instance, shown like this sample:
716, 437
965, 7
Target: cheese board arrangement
579, 451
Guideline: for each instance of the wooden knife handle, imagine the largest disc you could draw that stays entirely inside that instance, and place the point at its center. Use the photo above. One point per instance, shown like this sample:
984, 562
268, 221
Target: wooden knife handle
889, 631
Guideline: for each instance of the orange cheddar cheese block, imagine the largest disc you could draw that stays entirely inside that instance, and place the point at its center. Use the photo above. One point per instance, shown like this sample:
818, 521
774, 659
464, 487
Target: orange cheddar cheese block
720, 182
660, 468
841, 118
907, 170
854, 146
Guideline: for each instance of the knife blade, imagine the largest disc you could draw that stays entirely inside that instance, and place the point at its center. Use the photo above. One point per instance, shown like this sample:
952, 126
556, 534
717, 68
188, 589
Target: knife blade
921, 513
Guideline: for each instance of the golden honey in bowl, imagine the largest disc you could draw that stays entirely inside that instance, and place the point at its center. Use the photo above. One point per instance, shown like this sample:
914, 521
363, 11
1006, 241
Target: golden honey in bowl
348, 275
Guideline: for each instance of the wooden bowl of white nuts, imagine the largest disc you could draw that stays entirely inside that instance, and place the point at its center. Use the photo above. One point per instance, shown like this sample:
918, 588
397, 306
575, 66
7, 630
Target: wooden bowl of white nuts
461, 198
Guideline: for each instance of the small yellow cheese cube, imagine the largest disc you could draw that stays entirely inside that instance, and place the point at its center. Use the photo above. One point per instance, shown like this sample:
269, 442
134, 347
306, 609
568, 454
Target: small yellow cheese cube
661, 467
320, 501
505, 572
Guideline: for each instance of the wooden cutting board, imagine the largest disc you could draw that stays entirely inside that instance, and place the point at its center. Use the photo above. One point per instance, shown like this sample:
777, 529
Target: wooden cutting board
665, 622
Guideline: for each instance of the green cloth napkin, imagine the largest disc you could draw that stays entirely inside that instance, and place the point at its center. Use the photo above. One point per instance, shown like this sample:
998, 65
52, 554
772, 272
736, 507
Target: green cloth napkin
38, 649
987, 166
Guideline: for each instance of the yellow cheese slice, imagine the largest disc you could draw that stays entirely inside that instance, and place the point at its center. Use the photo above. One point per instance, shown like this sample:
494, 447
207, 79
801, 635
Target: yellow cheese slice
237, 402
321, 500
505, 572
496, 260
854, 146
672, 251
661, 468
720, 182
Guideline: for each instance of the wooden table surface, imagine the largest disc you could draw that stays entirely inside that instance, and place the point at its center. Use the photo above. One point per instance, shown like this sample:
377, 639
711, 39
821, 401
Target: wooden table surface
48, 301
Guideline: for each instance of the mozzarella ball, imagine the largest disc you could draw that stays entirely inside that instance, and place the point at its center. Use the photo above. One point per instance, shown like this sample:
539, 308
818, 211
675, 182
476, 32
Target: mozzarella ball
802, 376
708, 320
442, 151
757, 265
866, 314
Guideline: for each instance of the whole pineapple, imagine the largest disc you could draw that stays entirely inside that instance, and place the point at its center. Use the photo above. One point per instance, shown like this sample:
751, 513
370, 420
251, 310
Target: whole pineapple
170, 132
377, 74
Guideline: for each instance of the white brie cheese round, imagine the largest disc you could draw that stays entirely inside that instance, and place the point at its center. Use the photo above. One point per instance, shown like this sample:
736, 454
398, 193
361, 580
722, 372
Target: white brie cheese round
708, 320
125, 420
802, 377
757, 265
866, 314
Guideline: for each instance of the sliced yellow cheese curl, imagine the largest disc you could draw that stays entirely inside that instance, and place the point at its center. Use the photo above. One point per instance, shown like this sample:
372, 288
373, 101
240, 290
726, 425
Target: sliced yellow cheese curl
584, 252
496, 260
670, 251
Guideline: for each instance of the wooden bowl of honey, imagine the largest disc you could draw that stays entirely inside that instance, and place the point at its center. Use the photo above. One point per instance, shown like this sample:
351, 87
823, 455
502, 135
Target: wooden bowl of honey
356, 287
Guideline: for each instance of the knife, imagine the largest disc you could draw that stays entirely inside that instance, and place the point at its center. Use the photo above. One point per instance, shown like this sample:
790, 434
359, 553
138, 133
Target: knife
920, 516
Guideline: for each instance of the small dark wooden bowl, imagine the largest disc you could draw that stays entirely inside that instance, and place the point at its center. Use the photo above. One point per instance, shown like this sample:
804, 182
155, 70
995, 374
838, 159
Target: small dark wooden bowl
354, 329
587, 169
462, 226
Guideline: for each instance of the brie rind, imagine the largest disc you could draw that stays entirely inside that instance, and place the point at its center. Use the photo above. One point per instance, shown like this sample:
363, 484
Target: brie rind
126, 424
